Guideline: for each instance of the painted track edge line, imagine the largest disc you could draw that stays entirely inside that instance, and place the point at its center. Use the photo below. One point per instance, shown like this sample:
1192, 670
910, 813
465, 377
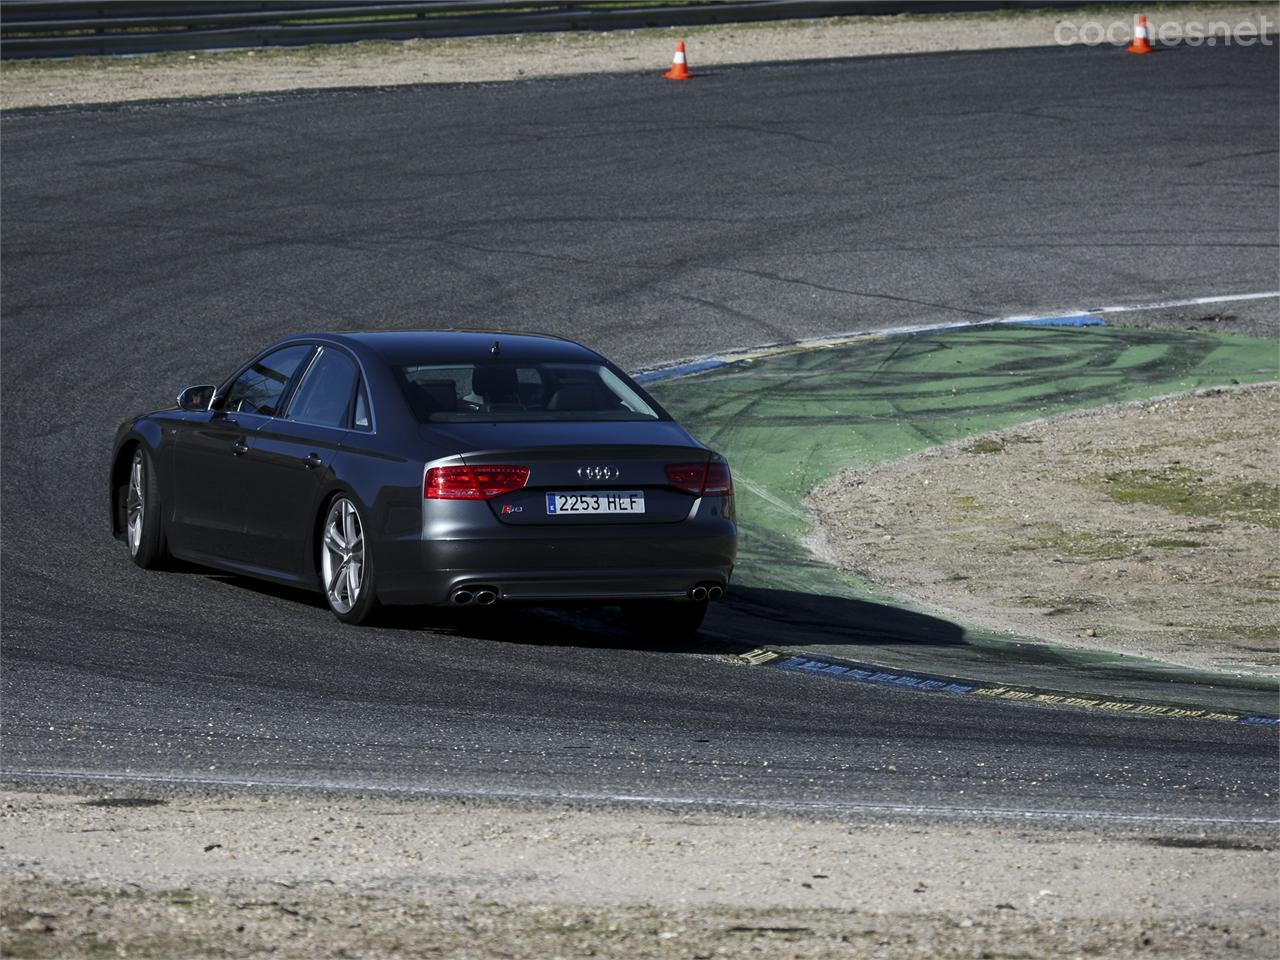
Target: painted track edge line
548, 796
838, 669
700, 364
1192, 302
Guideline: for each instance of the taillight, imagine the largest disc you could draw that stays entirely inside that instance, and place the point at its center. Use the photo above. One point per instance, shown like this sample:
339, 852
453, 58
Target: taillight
688, 477
701, 479
719, 482
473, 483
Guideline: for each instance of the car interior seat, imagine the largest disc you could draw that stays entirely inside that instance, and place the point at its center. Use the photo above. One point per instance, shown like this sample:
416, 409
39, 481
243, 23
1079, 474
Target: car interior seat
498, 385
432, 396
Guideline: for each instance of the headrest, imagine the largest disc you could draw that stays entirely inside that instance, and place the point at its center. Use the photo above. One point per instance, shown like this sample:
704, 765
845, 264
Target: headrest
578, 396
492, 380
434, 396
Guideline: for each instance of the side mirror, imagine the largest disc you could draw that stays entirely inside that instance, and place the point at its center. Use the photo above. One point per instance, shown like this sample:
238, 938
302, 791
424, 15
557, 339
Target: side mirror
196, 398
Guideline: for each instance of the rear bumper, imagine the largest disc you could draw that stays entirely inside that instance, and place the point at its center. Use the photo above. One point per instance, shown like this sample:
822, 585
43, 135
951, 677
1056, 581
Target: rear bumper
561, 565
579, 586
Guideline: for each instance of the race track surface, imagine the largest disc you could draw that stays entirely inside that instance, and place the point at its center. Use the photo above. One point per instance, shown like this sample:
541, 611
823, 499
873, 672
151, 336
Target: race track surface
148, 248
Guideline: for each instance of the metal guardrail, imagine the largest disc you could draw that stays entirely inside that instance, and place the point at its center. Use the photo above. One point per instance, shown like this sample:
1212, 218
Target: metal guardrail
68, 28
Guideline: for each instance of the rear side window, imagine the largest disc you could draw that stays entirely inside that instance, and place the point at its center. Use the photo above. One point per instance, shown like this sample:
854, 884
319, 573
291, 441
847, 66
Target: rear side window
259, 388
327, 391
495, 391
362, 420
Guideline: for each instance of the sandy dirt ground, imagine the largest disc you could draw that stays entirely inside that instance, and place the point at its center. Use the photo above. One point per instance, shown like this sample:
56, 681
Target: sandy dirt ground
230, 876
487, 59
1150, 529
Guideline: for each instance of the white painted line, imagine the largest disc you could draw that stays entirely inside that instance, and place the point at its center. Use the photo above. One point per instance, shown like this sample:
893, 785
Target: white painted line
825, 806
836, 339
1193, 302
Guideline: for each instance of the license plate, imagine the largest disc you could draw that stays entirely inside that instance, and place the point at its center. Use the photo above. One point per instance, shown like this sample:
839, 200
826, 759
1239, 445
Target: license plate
603, 501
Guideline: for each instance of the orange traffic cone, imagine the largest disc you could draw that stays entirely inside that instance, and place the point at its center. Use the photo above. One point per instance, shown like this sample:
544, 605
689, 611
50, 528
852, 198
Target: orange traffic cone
1140, 34
679, 67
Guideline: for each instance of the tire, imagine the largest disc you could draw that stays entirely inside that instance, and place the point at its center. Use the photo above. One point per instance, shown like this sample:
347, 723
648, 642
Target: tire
664, 622
143, 516
346, 568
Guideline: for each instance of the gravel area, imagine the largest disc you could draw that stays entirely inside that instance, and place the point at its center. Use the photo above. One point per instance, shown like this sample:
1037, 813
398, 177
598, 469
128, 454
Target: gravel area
196, 876
526, 56
1150, 529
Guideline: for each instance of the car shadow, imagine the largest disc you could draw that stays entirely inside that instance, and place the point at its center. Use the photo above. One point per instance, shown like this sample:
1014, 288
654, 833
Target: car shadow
786, 617
586, 626
748, 618
594, 627
266, 588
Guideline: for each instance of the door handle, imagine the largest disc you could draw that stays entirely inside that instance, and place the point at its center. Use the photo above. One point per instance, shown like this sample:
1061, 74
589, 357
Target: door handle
239, 448
312, 460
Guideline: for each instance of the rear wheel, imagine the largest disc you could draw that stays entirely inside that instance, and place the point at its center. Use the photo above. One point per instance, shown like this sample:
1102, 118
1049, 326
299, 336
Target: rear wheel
664, 622
345, 565
142, 513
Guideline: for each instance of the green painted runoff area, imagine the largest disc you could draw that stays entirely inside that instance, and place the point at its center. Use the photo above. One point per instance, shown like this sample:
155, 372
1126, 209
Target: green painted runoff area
789, 421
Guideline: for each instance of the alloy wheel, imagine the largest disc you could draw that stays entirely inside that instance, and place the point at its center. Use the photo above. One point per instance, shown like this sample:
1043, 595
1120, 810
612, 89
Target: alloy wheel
136, 503
342, 555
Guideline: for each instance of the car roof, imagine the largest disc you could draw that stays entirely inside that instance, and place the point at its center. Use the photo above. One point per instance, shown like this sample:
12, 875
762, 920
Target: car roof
432, 346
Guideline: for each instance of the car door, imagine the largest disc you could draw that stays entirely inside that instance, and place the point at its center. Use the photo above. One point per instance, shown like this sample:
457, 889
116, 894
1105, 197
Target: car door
293, 462
212, 490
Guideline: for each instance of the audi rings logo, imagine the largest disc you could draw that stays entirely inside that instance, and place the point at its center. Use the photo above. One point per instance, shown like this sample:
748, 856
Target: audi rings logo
598, 473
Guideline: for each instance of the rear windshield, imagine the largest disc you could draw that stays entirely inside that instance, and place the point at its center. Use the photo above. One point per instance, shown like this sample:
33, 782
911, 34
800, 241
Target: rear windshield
502, 391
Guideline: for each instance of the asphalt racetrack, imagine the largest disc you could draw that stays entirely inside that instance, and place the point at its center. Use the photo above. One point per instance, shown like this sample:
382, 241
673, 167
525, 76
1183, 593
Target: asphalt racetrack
146, 248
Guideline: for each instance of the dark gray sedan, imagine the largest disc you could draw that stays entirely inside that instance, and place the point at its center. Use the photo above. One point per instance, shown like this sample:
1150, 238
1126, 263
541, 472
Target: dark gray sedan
442, 468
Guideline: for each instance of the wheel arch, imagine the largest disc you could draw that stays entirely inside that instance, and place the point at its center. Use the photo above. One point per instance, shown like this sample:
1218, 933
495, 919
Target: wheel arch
317, 524
143, 434
120, 467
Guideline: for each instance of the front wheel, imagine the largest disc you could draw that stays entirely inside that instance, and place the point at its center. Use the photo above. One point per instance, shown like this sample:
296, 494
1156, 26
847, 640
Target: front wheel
664, 622
142, 513
346, 568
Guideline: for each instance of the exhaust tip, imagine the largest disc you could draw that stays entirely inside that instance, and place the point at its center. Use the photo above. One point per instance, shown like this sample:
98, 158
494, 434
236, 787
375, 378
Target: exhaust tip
714, 593
698, 593
485, 597
462, 597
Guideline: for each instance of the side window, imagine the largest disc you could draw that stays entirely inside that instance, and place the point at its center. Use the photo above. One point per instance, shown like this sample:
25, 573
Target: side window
324, 396
258, 389
362, 420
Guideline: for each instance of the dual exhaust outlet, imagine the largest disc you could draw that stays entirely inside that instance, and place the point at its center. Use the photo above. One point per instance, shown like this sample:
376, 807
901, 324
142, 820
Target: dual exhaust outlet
709, 591
482, 596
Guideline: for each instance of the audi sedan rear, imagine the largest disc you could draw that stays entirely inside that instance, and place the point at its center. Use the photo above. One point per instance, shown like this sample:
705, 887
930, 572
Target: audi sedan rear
433, 468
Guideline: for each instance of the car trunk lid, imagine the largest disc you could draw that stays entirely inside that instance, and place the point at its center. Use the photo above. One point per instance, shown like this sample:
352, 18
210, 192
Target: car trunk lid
582, 473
